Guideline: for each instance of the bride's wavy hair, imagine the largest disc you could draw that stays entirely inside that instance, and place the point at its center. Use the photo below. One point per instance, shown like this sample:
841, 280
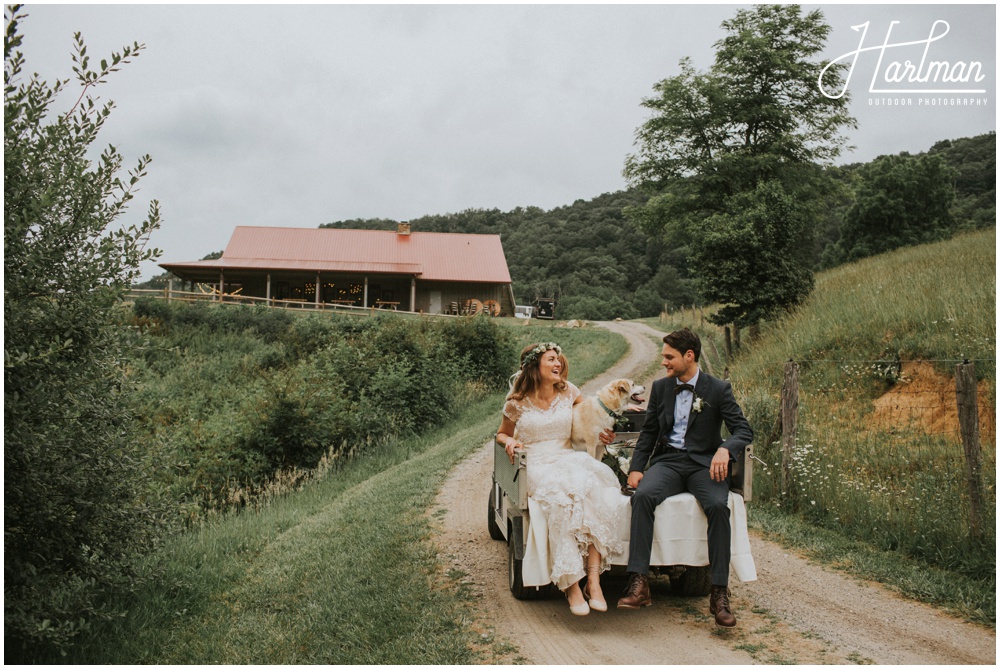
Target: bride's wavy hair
528, 379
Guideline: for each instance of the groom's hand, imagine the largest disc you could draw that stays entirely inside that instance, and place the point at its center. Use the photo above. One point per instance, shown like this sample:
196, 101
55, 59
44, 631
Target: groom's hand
634, 478
719, 469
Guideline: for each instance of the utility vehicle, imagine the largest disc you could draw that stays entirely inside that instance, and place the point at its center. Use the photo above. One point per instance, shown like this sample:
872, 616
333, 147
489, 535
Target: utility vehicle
508, 521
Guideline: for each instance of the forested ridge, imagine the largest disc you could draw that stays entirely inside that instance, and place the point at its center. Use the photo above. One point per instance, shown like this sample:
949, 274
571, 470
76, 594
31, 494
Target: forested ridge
588, 255
599, 264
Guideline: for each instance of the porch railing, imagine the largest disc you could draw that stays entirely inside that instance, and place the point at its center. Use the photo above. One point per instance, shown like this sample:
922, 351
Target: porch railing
215, 297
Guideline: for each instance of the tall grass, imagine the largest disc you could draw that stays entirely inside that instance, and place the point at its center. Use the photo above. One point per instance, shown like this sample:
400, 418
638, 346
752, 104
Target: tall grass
931, 302
340, 572
898, 483
713, 339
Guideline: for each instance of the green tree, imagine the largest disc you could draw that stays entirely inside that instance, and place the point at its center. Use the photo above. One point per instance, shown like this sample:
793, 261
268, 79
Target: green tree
975, 161
749, 258
755, 117
901, 201
72, 515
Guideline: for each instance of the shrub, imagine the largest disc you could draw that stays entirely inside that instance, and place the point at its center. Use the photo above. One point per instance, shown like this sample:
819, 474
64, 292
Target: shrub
228, 401
73, 516
481, 350
152, 309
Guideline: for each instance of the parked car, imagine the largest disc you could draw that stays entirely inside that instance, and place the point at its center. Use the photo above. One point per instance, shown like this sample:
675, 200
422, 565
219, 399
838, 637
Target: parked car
523, 311
545, 308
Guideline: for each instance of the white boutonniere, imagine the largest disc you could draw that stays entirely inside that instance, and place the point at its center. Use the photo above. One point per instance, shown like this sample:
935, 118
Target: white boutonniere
697, 404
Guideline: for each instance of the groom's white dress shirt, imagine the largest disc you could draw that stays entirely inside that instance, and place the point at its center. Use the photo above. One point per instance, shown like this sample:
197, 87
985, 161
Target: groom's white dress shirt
682, 411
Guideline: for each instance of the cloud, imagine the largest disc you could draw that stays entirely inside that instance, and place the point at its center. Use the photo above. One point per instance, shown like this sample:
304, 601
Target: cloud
303, 114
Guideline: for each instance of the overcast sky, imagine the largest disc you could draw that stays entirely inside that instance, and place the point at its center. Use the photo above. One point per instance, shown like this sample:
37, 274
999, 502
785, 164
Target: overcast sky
300, 115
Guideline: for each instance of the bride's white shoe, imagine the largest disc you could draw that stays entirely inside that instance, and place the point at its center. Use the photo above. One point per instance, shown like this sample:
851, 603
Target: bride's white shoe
600, 605
579, 609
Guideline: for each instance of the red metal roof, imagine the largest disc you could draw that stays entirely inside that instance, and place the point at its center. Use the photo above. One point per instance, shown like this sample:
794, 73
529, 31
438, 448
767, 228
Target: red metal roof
430, 256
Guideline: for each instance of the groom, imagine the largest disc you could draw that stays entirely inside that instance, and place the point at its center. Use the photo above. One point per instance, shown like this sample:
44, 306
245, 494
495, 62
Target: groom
685, 451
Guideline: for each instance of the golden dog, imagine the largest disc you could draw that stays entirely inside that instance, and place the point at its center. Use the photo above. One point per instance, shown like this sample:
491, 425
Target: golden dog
595, 414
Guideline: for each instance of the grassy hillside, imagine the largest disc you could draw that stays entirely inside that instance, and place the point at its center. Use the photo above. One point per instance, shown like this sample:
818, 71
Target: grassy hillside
879, 456
341, 572
936, 301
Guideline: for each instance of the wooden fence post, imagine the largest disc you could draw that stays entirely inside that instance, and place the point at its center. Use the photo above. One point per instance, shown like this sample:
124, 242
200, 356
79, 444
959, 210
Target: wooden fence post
968, 419
789, 425
715, 354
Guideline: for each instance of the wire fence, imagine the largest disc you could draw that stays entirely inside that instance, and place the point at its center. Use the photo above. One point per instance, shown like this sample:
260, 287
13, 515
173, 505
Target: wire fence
892, 452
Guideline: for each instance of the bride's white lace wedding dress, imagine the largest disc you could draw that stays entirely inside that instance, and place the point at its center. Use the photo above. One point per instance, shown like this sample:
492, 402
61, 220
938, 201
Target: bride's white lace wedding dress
573, 500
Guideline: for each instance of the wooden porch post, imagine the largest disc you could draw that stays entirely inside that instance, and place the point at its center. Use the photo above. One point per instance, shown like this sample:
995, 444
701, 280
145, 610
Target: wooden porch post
268, 291
413, 293
364, 299
318, 288
222, 284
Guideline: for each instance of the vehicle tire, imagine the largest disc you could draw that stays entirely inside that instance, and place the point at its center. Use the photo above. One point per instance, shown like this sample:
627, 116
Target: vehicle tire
514, 576
694, 582
491, 521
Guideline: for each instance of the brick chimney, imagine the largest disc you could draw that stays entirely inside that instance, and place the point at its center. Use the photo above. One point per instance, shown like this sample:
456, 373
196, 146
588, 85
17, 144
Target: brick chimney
402, 228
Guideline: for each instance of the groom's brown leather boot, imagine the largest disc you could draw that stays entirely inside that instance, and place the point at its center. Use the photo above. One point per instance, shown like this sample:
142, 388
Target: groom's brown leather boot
636, 593
718, 606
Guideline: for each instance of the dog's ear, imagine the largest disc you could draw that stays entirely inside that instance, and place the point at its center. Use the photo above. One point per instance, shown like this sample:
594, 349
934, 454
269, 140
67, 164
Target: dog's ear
624, 386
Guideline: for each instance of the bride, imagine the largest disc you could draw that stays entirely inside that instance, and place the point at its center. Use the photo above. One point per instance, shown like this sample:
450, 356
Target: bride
574, 501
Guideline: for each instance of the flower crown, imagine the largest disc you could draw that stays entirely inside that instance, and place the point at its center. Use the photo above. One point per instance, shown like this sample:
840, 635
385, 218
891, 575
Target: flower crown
539, 350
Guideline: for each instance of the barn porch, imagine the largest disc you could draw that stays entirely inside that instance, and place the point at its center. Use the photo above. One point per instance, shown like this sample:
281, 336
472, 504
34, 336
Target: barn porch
433, 273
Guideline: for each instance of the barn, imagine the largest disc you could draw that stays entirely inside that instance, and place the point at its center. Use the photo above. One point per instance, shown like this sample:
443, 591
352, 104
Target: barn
427, 272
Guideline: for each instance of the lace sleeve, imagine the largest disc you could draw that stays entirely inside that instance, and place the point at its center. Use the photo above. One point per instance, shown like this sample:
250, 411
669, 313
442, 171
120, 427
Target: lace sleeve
573, 391
512, 410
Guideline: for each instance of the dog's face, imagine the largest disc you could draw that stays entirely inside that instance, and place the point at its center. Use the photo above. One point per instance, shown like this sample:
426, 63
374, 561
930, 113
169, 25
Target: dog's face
636, 394
617, 394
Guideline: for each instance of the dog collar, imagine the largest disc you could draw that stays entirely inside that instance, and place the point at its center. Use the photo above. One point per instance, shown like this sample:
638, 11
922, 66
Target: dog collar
606, 409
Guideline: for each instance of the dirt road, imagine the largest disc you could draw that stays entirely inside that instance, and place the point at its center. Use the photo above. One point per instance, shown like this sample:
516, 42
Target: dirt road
796, 612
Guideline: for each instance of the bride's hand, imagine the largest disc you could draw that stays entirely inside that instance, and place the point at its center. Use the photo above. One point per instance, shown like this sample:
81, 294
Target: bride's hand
509, 447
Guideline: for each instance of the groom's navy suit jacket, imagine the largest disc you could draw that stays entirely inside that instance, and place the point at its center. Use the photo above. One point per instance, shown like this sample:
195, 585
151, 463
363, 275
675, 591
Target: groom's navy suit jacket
704, 432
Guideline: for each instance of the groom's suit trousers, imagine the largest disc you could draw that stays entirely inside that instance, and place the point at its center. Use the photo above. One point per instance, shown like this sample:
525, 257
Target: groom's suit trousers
669, 474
